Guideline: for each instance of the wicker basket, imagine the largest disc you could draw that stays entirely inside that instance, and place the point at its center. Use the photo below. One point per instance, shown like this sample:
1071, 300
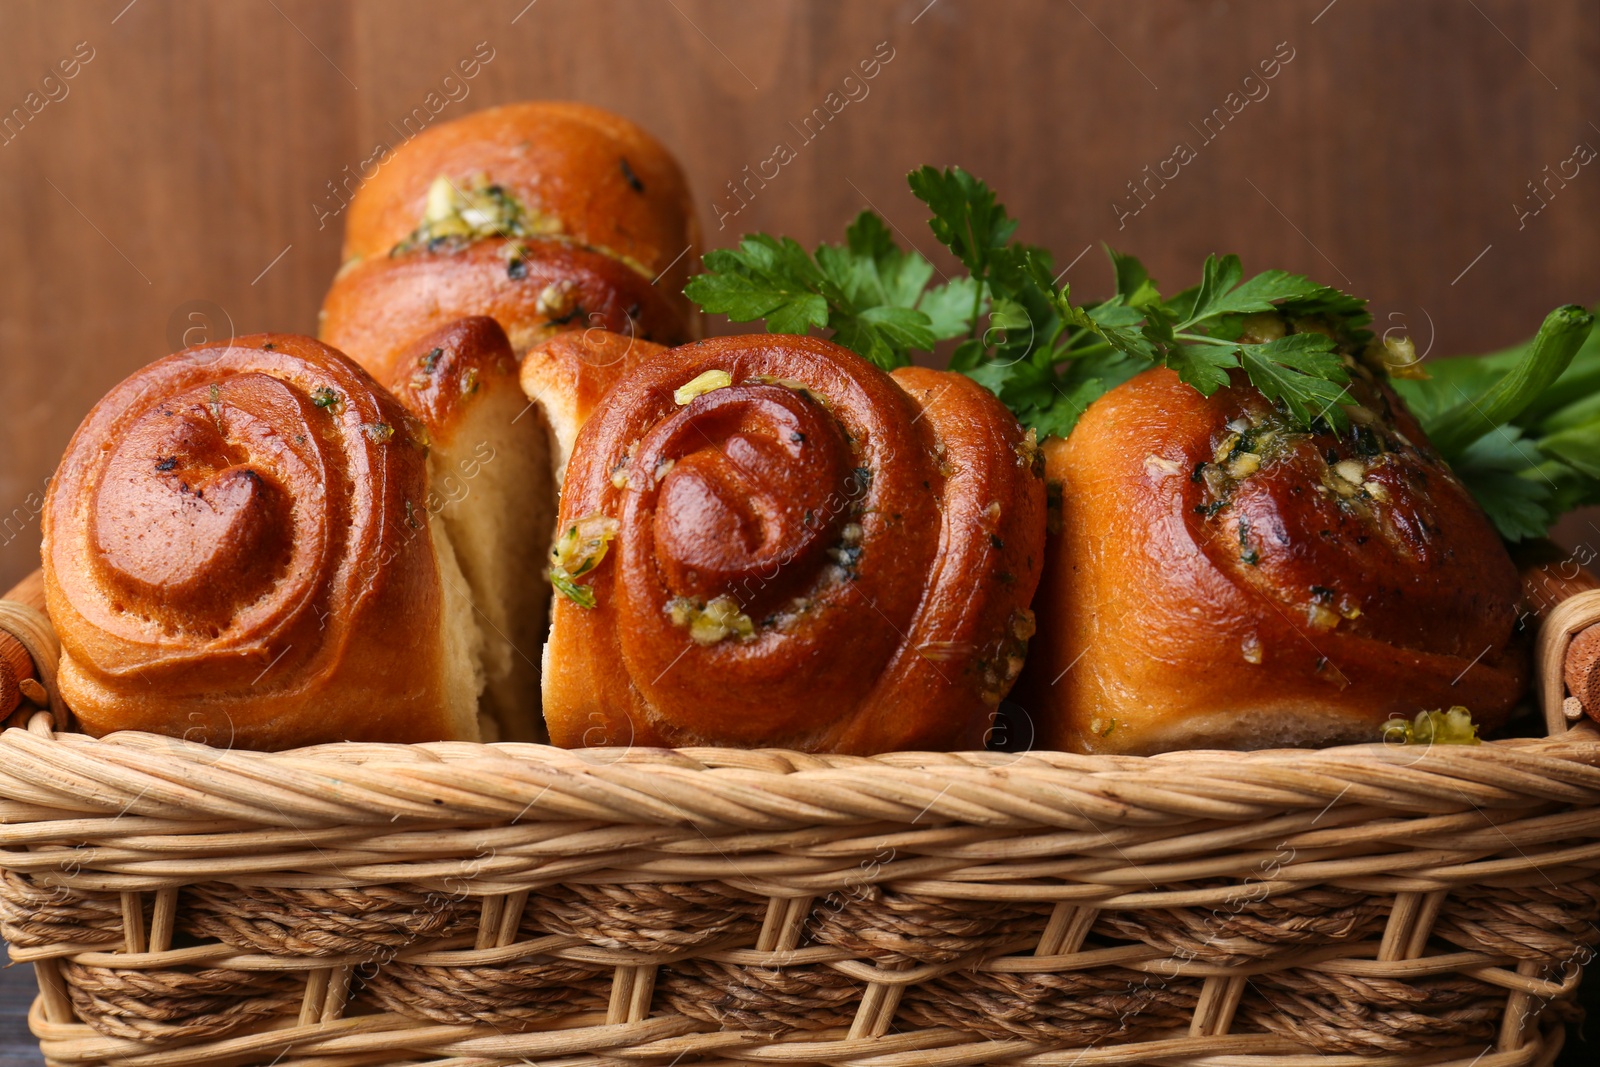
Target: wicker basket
481, 905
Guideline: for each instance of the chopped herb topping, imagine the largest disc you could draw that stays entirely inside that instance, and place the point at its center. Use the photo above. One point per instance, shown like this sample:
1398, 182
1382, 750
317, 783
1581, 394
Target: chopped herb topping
711, 622
1028, 455
460, 212
378, 432
579, 550
702, 383
555, 300
1453, 727
324, 397
431, 359
848, 557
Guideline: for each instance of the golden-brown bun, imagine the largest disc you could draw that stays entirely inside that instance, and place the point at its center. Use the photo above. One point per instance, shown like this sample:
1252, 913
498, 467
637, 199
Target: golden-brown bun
815, 555
1193, 600
237, 550
567, 375
377, 308
605, 182
490, 478
607, 235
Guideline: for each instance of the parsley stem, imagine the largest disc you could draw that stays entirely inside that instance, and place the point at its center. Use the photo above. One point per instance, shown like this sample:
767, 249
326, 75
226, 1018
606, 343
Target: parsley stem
1203, 339
1077, 352
1558, 340
977, 304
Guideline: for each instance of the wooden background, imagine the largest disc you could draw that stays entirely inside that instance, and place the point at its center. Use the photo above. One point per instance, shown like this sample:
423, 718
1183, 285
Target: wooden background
185, 168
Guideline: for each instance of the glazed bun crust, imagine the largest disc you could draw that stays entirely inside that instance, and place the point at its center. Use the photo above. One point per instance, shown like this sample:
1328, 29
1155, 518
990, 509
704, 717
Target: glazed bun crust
377, 308
549, 218
807, 553
237, 551
1243, 587
604, 182
569, 373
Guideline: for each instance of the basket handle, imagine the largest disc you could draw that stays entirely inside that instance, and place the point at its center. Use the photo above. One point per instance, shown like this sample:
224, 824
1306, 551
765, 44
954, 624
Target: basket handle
1565, 621
29, 650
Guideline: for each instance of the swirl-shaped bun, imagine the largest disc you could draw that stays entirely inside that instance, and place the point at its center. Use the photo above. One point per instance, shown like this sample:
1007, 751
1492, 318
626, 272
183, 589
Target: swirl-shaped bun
803, 551
1221, 579
237, 551
544, 216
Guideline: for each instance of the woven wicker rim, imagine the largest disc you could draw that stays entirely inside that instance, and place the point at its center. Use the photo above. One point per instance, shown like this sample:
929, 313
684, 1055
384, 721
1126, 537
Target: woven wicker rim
1395, 846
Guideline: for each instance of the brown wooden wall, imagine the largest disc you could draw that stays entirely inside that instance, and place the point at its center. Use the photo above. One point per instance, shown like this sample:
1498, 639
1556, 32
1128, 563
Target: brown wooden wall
186, 166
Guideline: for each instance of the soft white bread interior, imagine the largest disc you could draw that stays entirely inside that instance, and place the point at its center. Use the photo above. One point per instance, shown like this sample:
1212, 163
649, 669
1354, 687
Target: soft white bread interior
491, 488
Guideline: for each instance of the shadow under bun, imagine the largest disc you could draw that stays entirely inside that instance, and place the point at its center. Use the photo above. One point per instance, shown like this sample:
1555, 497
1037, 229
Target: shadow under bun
237, 551
783, 545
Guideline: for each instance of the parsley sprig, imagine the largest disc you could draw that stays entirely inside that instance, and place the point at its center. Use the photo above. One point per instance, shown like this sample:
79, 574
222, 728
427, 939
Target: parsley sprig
1520, 427
1024, 338
872, 294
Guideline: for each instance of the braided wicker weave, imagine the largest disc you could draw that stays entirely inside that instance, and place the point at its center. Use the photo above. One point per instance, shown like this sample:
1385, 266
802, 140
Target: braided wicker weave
479, 905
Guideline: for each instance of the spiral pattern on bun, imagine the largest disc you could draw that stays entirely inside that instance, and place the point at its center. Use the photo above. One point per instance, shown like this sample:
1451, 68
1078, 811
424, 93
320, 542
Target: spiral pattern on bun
766, 541
237, 551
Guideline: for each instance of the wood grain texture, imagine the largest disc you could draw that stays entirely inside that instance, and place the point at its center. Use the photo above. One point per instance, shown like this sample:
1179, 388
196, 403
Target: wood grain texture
183, 179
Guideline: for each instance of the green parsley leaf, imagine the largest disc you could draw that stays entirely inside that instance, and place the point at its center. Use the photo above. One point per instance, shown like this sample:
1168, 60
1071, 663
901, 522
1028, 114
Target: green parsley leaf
948, 306
1301, 371
1222, 292
763, 278
870, 293
1501, 471
1203, 366
967, 218
562, 583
